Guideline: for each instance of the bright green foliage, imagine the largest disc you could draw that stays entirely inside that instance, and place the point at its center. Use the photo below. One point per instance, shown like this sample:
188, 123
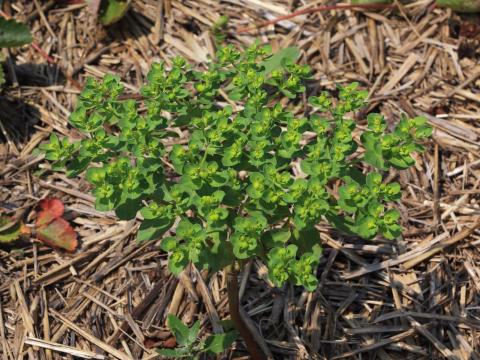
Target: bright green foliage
189, 345
232, 188
275, 61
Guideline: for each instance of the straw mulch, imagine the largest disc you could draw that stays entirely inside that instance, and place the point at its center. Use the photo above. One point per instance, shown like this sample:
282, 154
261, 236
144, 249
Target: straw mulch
414, 298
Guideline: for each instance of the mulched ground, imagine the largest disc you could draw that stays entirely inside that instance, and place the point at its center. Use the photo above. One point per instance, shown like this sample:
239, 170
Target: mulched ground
414, 298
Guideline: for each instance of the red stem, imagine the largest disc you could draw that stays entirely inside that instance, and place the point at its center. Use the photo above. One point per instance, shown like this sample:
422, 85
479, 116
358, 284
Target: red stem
43, 53
234, 306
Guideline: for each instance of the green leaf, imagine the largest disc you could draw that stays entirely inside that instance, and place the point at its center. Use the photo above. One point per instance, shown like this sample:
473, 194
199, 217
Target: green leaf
392, 192
278, 60
175, 353
280, 260
96, 176
78, 165
373, 153
306, 239
153, 229
220, 342
107, 196
218, 254
244, 246
152, 211
276, 237
391, 231
283, 254
194, 331
219, 179
112, 11
366, 226
169, 244
389, 225
185, 229
304, 269
10, 230
347, 193
13, 33
374, 180
323, 103
180, 331
423, 131
342, 223
401, 158
128, 209
310, 283
219, 34
375, 209
257, 187
376, 123
177, 261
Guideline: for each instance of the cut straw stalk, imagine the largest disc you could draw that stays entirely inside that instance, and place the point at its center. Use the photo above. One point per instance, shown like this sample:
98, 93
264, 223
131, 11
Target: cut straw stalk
416, 255
62, 348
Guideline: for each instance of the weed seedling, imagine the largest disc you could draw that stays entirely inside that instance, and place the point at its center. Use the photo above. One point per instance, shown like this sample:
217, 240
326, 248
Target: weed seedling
190, 346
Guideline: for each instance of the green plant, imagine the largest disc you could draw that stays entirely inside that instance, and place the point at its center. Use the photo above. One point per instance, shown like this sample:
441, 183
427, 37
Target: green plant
190, 346
109, 11
253, 179
12, 34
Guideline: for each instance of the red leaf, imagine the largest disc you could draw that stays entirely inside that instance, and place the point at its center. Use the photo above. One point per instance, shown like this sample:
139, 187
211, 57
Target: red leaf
52, 229
59, 233
151, 343
51, 209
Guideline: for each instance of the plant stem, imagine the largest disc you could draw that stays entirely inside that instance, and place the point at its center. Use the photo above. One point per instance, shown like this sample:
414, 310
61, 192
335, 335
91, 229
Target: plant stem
234, 306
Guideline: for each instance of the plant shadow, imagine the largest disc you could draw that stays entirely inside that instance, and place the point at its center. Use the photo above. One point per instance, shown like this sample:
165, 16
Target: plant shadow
18, 116
29, 74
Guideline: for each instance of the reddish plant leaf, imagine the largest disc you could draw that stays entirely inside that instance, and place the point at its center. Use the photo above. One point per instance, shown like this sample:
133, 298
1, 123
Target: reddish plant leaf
170, 343
52, 229
152, 343
51, 209
59, 233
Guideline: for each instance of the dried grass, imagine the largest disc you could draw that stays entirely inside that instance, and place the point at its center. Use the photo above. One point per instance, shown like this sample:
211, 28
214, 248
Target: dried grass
414, 298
